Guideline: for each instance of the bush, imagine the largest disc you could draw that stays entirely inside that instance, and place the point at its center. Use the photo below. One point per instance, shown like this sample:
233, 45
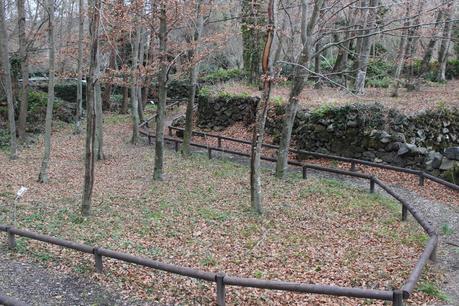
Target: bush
4, 139
66, 90
452, 69
223, 75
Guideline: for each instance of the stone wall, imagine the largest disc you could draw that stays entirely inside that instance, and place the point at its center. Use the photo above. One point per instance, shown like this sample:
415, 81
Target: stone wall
218, 112
372, 132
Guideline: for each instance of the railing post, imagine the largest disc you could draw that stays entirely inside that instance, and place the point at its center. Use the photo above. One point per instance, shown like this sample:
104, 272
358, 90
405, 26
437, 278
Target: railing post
421, 178
170, 130
11, 239
353, 166
219, 141
176, 145
404, 212
397, 299
209, 153
149, 139
220, 280
305, 172
372, 184
98, 261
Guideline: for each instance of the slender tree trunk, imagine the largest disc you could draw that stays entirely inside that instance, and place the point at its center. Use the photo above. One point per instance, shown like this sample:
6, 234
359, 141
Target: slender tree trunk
22, 122
68, 34
5, 67
99, 142
94, 6
431, 45
299, 77
364, 55
162, 82
125, 103
262, 112
445, 42
79, 106
134, 86
187, 135
141, 78
106, 104
401, 52
43, 175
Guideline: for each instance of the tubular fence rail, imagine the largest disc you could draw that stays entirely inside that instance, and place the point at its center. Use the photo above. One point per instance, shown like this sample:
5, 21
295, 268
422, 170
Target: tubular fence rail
221, 279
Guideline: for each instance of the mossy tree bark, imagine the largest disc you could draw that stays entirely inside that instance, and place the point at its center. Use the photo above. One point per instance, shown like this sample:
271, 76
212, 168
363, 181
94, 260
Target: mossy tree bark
134, 94
252, 38
43, 175
5, 67
401, 52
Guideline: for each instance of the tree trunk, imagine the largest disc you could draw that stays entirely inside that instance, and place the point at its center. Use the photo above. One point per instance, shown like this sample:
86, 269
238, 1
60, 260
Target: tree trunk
252, 38
106, 104
94, 6
364, 55
7, 80
445, 42
125, 103
262, 112
43, 175
22, 122
162, 82
134, 86
401, 52
79, 106
431, 45
99, 116
299, 77
187, 135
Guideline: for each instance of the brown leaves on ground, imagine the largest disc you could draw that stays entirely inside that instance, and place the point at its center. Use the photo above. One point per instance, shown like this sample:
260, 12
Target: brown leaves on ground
314, 231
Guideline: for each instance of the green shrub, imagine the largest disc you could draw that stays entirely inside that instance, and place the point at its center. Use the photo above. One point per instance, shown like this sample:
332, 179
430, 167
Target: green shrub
379, 83
223, 75
65, 90
4, 139
452, 69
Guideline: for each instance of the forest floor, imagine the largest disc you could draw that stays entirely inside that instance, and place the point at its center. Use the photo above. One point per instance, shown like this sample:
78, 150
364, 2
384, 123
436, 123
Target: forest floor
316, 231
429, 96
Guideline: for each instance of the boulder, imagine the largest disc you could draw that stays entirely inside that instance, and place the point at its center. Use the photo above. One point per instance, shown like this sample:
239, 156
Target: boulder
452, 153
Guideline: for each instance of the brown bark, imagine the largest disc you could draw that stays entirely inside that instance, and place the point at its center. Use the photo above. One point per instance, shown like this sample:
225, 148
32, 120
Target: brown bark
79, 106
262, 112
162, 82
43, 175
22, 120
94, 6
6, 75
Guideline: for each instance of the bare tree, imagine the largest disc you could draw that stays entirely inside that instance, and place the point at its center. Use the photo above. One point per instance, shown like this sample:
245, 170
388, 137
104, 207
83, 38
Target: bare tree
79, 106
92, 80
43, 175
401, 51
162, 82
365, 47
199, 23
22, 120
262, 112
299, 78
7, 80
134, 94
445, 42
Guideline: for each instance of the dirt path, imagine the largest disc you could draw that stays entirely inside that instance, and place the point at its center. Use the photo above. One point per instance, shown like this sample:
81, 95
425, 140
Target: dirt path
36, 285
